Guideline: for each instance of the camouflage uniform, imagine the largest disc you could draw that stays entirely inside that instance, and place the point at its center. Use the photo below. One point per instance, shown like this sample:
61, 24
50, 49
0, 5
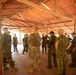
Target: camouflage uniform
15, 43
51, 51
6, 53
34, 42
61, 54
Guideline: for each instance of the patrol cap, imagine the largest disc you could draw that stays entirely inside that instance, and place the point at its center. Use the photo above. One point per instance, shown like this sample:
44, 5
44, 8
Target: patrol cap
51, 32
5, 28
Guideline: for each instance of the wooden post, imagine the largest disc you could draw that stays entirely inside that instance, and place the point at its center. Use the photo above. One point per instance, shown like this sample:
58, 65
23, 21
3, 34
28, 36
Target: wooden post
0, 43
75, 26
20, 35
46, 28
30, 30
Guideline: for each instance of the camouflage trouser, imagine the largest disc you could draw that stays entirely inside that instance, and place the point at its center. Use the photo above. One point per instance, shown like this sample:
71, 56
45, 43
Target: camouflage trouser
7, 57
61, 63
34, 52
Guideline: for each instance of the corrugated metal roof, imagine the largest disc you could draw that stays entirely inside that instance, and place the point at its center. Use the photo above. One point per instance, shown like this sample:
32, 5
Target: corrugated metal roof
57, 14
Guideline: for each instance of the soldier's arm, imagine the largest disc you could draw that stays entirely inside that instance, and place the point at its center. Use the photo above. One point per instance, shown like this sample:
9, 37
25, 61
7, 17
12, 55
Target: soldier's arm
10, 39
40, 37
17, 40
56, 44
69, 45
13, 39
4, 40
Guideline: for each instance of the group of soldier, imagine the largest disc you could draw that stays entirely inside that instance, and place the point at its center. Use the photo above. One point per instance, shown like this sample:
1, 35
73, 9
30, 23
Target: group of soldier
58, 47
55, 47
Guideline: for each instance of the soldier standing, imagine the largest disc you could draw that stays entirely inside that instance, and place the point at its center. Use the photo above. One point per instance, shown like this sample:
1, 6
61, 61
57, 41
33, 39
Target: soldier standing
25, 43
44, 42
6, 53
69, 38
51, 50
34, 43
15, 41
73, 50
62, 45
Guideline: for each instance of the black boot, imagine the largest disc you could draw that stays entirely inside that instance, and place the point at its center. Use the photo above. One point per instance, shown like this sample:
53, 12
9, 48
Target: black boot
50, 67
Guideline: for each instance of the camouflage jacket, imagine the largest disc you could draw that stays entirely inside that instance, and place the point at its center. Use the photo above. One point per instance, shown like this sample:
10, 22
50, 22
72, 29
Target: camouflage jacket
63, 43
5, 40
34, 39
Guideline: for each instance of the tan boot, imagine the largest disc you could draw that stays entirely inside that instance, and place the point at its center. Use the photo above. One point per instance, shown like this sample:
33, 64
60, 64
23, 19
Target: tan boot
13, 69
5, 68
39, 69
30, 70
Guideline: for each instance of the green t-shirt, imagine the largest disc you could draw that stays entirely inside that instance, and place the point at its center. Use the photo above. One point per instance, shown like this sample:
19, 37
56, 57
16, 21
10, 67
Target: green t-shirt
14, 39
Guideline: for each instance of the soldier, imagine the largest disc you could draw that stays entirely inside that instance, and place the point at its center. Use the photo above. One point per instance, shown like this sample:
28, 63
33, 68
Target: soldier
34, 42
73, 50
25, 43
6, 53
69, 38
15, 41
44, 42
51, 50
69, 50
62, 45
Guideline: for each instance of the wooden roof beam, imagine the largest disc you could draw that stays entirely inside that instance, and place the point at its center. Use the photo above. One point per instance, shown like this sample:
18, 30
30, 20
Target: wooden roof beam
24, 21
60, 22
43, 8
16, 26
13, 4
41, 23
13, 8
64, 24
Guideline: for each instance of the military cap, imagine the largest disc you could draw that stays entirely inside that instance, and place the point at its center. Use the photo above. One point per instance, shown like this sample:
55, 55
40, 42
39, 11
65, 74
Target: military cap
5, 28
51, 32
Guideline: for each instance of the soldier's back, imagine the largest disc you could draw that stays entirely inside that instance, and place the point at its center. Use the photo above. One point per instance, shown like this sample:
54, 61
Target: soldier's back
63, 43
34, 39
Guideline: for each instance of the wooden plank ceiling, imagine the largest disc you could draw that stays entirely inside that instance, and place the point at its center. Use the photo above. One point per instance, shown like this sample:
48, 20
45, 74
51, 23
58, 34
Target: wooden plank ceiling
47, 15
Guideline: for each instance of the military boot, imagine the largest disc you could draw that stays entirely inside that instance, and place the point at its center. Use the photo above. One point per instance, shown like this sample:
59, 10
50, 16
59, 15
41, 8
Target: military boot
30, 70
39, 69
13, 69
5, 68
